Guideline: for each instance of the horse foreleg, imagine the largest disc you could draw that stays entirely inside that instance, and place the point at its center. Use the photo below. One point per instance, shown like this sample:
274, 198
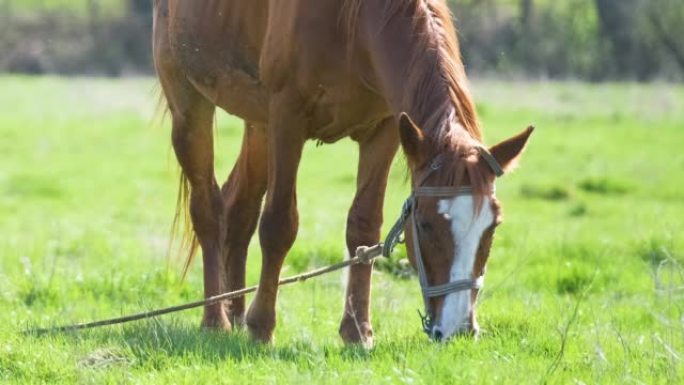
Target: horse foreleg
242, 195
363, 229
279, 222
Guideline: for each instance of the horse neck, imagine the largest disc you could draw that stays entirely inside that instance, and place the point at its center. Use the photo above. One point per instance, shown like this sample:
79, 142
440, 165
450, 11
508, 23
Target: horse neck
418, 66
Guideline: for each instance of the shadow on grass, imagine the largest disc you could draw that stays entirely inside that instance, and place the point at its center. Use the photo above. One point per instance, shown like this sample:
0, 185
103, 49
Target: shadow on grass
152, 338
152, 343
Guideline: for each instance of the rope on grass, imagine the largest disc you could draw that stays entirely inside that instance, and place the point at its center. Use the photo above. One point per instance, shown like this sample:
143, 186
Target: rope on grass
364, 255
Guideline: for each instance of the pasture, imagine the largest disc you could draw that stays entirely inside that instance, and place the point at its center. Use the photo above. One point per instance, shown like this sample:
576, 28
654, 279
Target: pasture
585, 283
65, 7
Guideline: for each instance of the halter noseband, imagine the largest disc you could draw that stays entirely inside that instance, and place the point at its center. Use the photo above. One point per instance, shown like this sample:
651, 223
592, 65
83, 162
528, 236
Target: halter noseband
408, 210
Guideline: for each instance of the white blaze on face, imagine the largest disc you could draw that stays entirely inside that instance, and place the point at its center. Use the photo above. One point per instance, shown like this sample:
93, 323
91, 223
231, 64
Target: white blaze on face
467, 228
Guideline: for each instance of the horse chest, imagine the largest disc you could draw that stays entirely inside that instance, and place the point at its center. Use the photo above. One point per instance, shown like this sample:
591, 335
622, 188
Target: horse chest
344, 111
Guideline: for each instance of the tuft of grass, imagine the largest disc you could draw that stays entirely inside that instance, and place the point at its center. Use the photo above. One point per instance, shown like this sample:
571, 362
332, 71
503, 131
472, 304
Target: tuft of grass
103, 358
398, 267
547, 192
37, 295
22, 186
657, 251
578, 210
604, 186
574, 281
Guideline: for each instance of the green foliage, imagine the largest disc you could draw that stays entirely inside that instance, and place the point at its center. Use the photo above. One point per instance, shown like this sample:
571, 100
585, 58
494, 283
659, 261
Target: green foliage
587, 39
595, 40
75, 37
87, 191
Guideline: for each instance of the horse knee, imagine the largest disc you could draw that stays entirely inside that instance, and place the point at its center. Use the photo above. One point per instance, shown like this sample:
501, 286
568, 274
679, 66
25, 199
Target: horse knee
184, 142
241, 219
363, 227
278, 230
180, 135
192, 137
205, 209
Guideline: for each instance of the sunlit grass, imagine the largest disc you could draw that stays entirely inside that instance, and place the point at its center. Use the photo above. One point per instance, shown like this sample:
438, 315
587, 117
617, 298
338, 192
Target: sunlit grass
73, 7
592, 222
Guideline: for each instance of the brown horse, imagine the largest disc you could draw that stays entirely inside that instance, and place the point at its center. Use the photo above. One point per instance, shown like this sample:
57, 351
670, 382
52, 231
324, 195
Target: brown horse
382, 72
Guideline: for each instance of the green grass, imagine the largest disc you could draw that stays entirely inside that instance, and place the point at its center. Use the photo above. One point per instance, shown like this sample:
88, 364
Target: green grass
76, 7
584, 284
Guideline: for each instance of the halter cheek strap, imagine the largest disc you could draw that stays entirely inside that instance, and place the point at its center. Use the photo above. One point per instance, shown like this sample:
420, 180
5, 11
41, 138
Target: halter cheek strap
491, 161
408, 210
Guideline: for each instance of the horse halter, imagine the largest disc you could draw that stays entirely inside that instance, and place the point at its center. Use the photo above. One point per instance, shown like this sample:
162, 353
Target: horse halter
408, 210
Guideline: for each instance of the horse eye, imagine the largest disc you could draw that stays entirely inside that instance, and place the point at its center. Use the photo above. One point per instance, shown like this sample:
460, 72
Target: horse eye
425, 226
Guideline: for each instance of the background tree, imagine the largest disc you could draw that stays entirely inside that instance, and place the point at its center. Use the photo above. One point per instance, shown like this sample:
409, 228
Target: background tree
666, 19
594, 40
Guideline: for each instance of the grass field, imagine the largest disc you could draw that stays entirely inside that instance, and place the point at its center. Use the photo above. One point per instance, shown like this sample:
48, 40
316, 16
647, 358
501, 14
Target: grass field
585, 284
75, 7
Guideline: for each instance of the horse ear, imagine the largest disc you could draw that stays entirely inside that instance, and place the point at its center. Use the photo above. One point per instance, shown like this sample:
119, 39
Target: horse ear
411, 136
508, 152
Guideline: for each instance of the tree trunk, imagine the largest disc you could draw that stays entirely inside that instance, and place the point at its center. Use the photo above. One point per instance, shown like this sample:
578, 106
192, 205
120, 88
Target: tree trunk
616, 22
526, 12
665, 18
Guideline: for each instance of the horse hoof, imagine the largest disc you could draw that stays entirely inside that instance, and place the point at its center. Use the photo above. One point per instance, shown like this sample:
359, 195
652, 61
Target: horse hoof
260, 336
219, 322
238, 321
354, 334
260, 326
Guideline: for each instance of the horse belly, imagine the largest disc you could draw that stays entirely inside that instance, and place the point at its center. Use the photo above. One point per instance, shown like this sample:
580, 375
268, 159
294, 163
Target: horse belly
219, 53
356, 116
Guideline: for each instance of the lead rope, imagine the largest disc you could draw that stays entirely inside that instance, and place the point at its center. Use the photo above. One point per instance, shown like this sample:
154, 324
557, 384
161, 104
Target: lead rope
364, 255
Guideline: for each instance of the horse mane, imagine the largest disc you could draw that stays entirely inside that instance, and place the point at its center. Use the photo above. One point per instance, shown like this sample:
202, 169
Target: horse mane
438, 87
436, 41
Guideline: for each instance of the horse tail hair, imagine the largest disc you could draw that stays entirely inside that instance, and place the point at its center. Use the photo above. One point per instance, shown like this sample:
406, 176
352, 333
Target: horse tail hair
182, 224
161, 110
181, 227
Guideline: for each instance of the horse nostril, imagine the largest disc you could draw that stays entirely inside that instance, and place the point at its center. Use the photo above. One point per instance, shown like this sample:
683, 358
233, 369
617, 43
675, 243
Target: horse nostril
437, 335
